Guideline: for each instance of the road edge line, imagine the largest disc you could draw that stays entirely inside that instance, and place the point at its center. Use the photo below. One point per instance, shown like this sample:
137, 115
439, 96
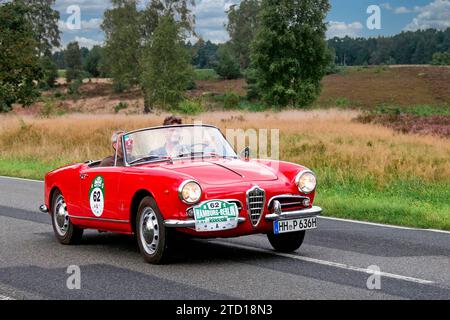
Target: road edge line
383, 225
327, 263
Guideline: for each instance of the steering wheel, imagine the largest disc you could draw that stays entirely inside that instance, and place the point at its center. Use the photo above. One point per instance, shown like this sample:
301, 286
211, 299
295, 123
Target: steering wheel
205, 146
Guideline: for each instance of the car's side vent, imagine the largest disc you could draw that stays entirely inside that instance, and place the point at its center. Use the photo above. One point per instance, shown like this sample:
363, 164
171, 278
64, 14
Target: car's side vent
256, 197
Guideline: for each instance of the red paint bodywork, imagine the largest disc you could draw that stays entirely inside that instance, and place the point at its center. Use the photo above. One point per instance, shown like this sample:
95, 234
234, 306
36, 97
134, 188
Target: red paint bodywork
219, 179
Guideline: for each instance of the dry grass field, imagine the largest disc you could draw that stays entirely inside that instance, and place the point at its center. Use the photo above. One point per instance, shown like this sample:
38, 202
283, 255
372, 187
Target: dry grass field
366, 172
367, 88
378, 138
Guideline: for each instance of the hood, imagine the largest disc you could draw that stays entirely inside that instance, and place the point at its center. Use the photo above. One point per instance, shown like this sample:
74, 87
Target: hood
223, 171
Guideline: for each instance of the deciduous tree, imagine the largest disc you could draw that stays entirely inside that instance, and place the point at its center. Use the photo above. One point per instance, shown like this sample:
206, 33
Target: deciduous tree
19, 62
289, 54
44, 20
227, 65
166, 68
122, 43
242, 26
74, 63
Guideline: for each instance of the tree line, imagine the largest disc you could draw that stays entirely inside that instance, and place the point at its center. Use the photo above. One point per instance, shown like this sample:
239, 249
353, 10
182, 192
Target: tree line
418, 47
279, 46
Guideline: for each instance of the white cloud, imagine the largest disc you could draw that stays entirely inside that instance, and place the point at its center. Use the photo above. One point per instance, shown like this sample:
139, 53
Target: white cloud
434, 15
92, 24
401, 10
342, 29
397, 10
386, 6
86, 42
85, 5
211, 18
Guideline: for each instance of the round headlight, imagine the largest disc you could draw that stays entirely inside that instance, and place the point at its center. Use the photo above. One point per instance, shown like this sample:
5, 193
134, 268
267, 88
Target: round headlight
306, 181
190, 192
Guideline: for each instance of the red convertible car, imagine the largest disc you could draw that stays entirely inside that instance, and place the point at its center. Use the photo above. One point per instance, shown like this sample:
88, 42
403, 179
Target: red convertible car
187, 179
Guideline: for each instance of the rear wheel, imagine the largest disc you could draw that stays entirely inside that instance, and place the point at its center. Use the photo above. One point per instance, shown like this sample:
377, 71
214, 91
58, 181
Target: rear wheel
65, 231
152, 235
286, 242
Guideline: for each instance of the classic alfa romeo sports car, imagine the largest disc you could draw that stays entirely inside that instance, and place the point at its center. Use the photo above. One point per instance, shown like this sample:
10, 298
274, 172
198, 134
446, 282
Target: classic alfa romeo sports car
182, 179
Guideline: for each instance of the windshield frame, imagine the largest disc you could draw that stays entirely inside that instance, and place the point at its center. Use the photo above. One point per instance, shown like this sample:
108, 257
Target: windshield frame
125, 160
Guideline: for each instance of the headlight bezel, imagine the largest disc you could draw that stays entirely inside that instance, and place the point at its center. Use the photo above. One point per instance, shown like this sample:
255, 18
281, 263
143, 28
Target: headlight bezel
181, 189
299, 176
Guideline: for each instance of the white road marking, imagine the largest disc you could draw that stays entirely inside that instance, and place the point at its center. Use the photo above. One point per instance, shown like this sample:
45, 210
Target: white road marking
321, 217
383, 225
22, 179
4, 298
326, 263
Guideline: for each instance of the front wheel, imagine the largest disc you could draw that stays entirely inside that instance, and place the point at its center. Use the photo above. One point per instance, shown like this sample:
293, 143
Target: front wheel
286, 242
65, 231
151, 233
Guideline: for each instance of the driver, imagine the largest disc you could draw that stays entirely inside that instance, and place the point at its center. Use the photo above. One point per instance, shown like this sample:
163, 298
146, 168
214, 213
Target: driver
173, 146
116, 142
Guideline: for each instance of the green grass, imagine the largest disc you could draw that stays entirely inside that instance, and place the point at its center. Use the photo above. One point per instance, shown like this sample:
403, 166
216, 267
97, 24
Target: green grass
61, 73
206, 74
30, 169
189, 107
411, 203
416, 110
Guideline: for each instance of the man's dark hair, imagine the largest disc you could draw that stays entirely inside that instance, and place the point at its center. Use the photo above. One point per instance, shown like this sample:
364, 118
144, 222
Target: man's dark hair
172, 120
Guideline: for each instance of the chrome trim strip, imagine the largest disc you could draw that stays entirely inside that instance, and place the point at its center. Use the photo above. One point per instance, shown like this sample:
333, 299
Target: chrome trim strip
306, 213
189, 223
99, 219
283, 196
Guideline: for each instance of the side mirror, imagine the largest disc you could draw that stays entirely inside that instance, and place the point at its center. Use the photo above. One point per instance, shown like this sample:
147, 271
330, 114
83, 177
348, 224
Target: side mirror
245, 153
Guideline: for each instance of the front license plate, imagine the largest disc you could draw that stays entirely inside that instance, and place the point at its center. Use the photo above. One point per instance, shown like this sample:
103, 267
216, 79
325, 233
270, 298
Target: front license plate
284, 226
216, 215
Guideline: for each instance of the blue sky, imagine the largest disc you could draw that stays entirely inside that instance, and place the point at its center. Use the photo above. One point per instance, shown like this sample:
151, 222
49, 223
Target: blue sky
347, 17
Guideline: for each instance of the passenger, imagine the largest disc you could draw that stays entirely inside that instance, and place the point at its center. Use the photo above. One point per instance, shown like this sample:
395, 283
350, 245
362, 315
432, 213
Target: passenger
116, 141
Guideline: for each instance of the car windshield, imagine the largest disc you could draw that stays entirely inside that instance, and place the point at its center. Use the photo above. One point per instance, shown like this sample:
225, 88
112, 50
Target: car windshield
175, 142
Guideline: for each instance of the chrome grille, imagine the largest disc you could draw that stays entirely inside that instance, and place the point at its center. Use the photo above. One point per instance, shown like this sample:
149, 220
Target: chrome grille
256, 197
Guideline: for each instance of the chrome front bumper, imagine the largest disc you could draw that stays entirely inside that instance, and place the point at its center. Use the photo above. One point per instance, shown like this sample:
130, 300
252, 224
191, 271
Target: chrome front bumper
305, 213
189, 223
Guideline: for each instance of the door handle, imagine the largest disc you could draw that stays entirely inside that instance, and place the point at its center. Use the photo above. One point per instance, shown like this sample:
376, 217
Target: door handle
84, 176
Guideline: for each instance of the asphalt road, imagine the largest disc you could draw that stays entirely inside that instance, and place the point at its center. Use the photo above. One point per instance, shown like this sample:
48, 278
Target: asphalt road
334, 262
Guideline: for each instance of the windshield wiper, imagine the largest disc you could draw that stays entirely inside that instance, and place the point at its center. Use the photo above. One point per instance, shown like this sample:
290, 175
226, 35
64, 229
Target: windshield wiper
150, 158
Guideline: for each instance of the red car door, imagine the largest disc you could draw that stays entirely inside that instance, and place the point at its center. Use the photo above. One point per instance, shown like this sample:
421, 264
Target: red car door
100, 189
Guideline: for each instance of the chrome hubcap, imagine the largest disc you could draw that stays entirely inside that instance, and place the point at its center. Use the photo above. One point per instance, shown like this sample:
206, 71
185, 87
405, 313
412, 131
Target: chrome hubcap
61, 216
149, 231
